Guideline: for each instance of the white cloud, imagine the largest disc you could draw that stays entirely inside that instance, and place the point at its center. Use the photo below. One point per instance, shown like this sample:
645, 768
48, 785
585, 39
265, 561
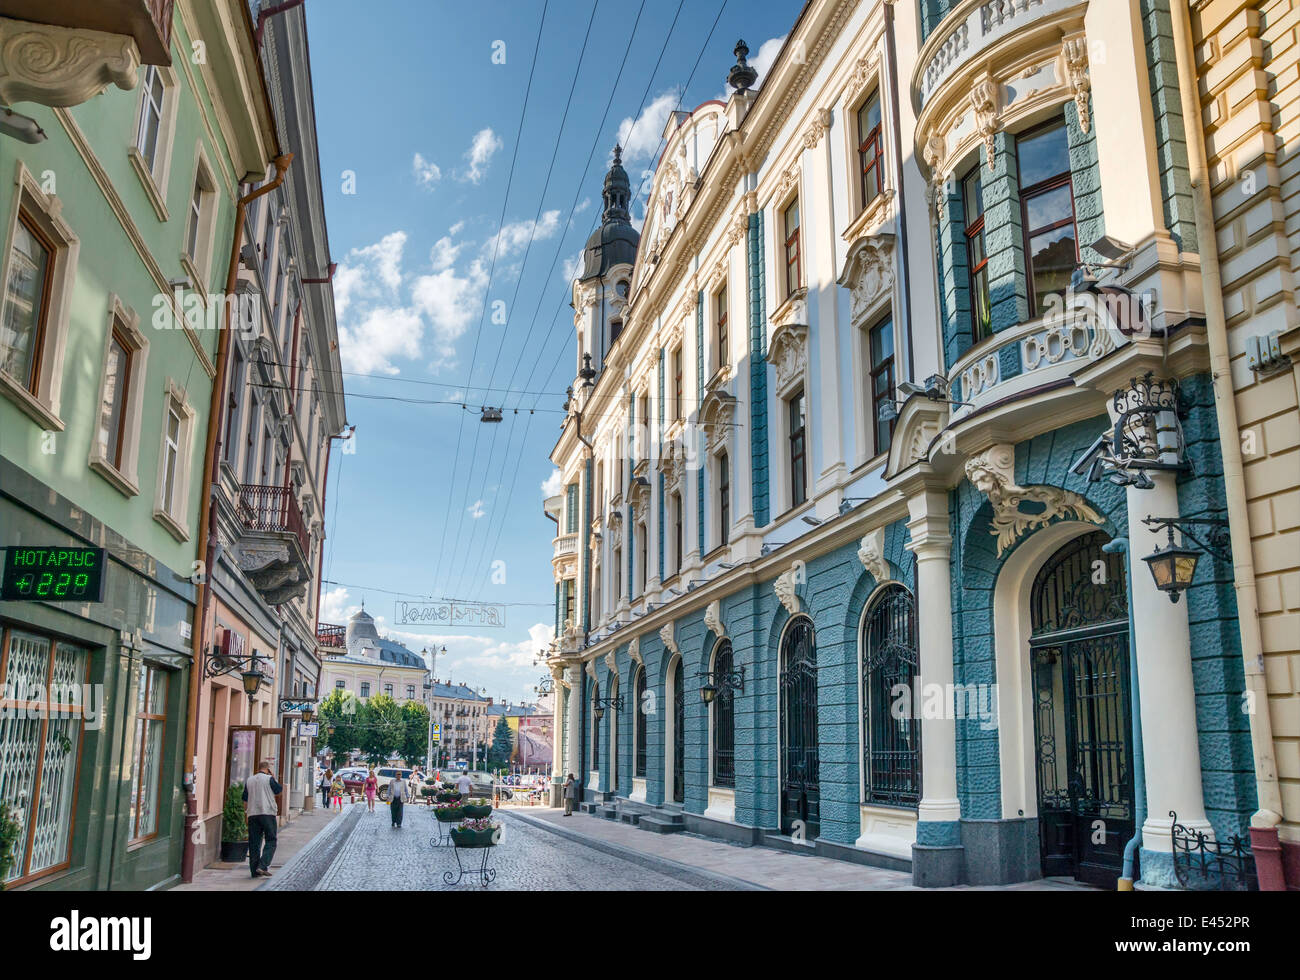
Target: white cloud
370, 274
456, 228
336, 606
553, 484
514, 236
481, 149
475, 510
640, 137
572, 266
765, 57
451, 301
426, 171
370, 345
443, 254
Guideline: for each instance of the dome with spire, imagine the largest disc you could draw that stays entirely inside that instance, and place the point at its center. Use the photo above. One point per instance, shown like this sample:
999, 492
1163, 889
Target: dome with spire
615, 241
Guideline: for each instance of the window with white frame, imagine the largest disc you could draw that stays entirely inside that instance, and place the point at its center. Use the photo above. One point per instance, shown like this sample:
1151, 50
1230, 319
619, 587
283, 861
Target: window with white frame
796, 433
171, 505
723, 466
115, 451
151, 150
147, 757
793, 256
200, 223
39, 267
720, 338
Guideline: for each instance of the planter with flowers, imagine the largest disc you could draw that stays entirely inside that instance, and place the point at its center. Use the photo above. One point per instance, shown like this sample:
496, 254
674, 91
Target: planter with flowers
477, 809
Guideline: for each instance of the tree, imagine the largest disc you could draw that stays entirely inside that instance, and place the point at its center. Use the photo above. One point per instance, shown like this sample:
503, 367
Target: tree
415, 733
383, 728
503, 744
341, 710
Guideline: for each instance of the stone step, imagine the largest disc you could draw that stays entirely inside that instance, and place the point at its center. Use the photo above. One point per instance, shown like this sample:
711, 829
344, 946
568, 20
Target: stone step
784, 843
588, 808
629, 817
661, 823
607, 811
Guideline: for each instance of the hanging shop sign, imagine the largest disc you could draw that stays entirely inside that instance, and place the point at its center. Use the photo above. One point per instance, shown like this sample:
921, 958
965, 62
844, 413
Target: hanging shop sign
449, 614
53, 574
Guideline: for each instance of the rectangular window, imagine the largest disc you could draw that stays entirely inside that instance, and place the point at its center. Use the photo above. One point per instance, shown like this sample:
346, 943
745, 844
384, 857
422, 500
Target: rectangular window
678, 401
388, 690
365, 689
27, 302
570, 613
977, 259
410, 692
720, 326
871, 156
643, 411
882, 380
1047, 212
112, 410
339, 686
678, 536
171, 458
236, 386
195, 222
793, 270
724, 498
147, 763
151, 116
38, 769
798, 418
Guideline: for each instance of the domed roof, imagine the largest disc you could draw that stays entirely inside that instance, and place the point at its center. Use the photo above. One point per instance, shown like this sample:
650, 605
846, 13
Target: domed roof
361, 631
615, 241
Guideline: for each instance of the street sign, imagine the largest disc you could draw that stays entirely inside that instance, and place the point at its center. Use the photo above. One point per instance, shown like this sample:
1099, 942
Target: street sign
435, 731
53, 574
308, 729
462, 764
295, 706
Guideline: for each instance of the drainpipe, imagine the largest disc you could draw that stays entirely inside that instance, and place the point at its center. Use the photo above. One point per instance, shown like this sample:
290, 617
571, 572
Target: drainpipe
1112, 547
1263, 823
207, 542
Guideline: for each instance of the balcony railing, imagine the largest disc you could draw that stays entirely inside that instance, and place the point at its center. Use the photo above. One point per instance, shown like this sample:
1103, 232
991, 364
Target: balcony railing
329, 635
565, 545
271, 509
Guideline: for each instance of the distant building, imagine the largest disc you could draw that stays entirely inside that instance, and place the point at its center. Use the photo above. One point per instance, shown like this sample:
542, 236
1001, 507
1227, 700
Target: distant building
373, 664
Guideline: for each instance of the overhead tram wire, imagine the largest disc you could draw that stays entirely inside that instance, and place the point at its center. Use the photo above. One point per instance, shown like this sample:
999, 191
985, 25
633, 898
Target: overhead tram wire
487, 292
681, 98
532, 233
420, 595
640, 188
582, 179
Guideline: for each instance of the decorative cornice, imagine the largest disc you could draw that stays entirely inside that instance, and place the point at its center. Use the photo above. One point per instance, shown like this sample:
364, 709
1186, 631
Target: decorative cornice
62, 66
992, 473
871, 552
713, 619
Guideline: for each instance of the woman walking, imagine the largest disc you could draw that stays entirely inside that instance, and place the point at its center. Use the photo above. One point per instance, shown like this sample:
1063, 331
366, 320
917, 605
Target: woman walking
371, 786
336, 792
326, 780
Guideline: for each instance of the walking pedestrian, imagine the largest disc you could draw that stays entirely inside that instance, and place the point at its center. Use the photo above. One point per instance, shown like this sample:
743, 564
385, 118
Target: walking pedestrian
464, 786
371, 787
262, 806
396, 794
336, 791
570, 794
326, 780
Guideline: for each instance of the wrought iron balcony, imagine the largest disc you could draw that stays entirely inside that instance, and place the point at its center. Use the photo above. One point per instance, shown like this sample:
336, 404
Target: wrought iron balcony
331, 636
275, 550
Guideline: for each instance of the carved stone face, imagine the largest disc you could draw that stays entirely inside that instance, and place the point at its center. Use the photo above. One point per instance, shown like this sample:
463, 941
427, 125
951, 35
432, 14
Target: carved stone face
982, 477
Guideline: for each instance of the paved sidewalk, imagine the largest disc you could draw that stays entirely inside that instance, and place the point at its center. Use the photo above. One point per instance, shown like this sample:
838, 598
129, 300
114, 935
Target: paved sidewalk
763, 866
293, 838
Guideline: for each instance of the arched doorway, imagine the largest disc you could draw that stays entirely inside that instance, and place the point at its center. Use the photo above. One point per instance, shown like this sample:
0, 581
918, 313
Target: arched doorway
800, 787
1079, 656
679, 734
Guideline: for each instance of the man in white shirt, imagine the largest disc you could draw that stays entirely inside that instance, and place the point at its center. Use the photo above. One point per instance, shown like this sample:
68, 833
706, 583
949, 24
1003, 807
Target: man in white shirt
464, 786
262, 808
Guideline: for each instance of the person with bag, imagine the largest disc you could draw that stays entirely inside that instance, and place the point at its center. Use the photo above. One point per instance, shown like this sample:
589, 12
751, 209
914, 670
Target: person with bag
570, 794
324, 784
396, 795
262, 806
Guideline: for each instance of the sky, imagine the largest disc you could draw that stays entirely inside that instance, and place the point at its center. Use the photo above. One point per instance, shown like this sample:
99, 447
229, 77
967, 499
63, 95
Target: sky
463, 147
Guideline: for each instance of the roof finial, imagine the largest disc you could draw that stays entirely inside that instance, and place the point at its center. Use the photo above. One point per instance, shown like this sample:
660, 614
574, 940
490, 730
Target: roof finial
618, 154
742, 74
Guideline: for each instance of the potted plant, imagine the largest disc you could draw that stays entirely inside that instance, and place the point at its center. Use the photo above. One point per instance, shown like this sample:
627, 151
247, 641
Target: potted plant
448, 812
11, 830
234, 826
477, 809
476, 833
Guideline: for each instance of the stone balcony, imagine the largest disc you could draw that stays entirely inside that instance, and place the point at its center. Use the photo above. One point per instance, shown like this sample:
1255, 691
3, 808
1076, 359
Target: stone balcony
565, 545
274, 549
64, 53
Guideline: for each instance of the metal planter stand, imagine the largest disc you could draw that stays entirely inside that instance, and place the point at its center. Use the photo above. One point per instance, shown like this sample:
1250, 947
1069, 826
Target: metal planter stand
486, 875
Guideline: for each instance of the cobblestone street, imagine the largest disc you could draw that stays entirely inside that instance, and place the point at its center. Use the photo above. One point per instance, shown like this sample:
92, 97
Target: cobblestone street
363, 851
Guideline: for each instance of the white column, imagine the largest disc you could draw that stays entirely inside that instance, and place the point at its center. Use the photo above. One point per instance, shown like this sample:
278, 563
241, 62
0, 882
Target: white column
1167, 694
932, 545
573, 720
826, 411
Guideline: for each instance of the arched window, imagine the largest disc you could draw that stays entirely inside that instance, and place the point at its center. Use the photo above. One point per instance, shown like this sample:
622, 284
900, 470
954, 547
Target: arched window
638, 720
891, 751
724, 720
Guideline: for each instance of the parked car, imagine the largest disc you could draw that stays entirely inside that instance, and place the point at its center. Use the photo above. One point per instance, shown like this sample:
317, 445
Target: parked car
354, 778
385, 775
481, 784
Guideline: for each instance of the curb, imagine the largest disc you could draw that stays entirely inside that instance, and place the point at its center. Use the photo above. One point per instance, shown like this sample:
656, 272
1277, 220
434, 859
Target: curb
653, 862
330, 840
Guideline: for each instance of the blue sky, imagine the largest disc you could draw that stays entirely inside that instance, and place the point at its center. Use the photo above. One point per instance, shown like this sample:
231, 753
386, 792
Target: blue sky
421, 103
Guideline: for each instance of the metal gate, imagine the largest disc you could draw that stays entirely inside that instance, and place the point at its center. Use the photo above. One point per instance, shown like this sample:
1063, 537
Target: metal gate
1082, 712
800, 793
679, 735
891, 753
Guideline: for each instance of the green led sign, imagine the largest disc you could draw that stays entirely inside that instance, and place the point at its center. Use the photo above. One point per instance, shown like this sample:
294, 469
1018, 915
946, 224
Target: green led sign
53, 574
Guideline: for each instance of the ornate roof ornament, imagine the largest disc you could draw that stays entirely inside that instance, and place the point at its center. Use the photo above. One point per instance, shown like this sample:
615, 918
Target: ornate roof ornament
713, 619
871, 552
992, 473
742, 74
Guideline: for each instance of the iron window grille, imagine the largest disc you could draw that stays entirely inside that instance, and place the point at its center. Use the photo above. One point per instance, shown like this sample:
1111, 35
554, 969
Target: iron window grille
892, 753
724, 721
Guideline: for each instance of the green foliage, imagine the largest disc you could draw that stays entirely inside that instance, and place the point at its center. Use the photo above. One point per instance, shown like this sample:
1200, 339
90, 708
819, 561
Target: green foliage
415, 732
11, 829
234, 818
382, 734
503, 743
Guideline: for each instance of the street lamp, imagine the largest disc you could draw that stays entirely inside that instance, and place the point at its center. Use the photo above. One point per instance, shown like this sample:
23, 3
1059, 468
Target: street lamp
1174, 566
307, 714
252, 678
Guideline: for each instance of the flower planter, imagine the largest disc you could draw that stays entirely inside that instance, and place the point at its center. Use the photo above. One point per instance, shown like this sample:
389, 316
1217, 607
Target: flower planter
475, 812
426, 791
234, 850
463, 837
449, 815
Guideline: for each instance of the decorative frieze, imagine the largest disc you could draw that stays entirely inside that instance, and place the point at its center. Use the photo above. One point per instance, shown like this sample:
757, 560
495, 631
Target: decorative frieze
993, 474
